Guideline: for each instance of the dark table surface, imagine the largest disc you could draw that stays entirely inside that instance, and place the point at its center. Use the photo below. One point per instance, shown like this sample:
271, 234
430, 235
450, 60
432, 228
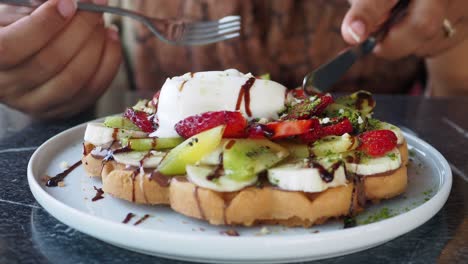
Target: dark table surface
28, 234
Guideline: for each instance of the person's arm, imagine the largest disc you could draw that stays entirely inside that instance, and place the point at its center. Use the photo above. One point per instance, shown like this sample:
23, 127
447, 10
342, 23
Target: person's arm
55, 61
422, 33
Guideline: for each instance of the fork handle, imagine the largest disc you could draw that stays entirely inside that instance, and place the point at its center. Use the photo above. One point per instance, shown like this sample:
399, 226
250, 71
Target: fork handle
86, 7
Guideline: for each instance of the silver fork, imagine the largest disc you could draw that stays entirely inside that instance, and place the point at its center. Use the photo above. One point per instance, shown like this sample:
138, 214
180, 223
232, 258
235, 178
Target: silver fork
172, 31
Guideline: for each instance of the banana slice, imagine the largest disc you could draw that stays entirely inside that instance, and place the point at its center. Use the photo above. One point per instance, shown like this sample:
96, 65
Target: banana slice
371, 166
334, 144
98, 134
135, 158
198, 175
297, 176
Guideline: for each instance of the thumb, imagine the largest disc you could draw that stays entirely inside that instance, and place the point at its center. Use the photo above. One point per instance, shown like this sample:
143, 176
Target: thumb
363, 18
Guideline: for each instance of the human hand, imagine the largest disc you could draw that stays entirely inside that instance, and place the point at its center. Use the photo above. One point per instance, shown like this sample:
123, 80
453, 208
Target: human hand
55, 62
421, 32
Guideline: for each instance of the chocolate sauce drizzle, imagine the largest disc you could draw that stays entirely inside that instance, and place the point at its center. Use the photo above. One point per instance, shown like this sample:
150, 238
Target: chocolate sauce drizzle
53, 182
230, 232
218, 171
146, 216
159, 178
128, 218
327, 176
244, 94
99, 193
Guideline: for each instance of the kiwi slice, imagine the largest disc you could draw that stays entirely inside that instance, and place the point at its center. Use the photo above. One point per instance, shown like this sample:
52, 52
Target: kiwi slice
120, 122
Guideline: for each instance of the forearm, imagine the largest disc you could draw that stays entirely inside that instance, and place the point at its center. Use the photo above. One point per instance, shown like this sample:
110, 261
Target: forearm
448, 72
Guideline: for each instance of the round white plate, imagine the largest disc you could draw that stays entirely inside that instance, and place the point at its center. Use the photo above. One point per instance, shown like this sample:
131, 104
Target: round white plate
168, 234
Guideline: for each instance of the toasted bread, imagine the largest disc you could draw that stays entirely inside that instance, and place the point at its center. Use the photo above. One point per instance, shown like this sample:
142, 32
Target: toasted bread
249, 206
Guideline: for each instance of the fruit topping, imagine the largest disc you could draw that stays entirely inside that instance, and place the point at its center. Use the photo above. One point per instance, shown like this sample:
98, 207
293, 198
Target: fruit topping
244, 158
233, 120
360, 100
258, 131
142, 144
287, 128
191, 151
377, 143
337, 127
140, 119
120, 122
308, 107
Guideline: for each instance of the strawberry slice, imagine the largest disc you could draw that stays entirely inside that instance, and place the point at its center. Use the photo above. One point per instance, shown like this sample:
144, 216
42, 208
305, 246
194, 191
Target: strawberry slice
308, 108
325, 100
140, 119
192, 125
314, 133
287, 128
377, 143
337, 127
258, 131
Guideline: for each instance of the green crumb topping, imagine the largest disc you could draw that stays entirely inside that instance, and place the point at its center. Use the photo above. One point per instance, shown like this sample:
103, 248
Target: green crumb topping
412, 153
373, 123
265, 76
383, 214
392, 156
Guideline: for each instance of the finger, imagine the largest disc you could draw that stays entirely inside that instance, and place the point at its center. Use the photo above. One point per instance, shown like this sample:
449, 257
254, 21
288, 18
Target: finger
10, 14
28, 35
67, 84
97, 85
52, 58
363, 18
422, 24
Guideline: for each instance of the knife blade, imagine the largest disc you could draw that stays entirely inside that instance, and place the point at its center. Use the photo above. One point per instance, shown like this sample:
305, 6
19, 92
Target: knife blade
327, 74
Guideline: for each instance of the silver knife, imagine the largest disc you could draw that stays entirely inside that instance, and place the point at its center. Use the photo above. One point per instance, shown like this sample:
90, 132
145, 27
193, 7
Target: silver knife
327, 74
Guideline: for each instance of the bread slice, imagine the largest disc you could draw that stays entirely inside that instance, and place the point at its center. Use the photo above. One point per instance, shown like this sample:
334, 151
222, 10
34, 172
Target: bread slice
250, 206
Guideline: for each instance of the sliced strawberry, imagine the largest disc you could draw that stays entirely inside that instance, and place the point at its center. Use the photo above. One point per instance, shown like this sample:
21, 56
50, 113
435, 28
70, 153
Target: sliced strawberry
337, 127
140, 119
377, 143
258, 131
314, 133
325, 101
308, 108
287, 128
192, 125
297, 93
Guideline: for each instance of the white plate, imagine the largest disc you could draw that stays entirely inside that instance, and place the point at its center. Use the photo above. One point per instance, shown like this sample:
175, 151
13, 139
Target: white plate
171, 235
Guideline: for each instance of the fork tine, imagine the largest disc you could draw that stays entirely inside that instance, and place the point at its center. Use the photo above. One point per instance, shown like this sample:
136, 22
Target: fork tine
210, 35
214, 24
212, 32
196, 42
211, 29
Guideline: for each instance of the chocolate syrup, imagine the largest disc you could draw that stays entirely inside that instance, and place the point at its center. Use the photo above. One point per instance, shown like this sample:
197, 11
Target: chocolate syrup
182, 86
128, 218
244, 94
121, 150
230, 144
99, 193
161, 179
134, 175
230, 232
197, 199
115, 133
141, 219
361, 97
84, 149
218, 171
327, 176
53, 182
